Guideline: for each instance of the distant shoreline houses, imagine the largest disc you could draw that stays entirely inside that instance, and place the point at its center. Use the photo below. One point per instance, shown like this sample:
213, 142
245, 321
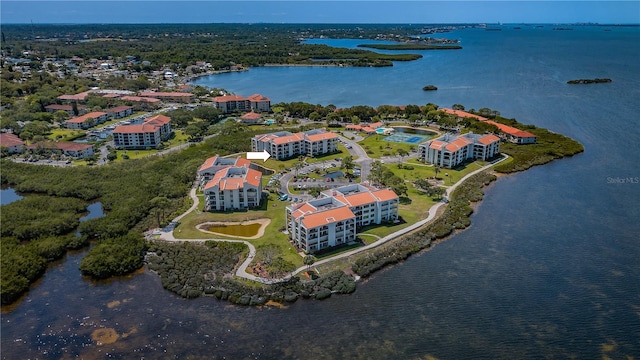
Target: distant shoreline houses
253, 103
285, 145
229, 184
335, 218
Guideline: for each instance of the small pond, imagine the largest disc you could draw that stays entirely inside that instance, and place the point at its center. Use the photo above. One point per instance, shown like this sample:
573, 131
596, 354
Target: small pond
247, 230
9, 195
334, 175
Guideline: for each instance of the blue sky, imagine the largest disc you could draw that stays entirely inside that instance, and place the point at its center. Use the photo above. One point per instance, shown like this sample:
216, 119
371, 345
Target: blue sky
308, 11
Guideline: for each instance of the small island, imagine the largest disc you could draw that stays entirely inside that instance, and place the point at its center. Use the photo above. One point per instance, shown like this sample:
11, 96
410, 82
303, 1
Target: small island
589, 81
430, 88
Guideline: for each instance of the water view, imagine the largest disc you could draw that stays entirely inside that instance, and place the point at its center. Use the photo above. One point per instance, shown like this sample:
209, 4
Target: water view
548, 269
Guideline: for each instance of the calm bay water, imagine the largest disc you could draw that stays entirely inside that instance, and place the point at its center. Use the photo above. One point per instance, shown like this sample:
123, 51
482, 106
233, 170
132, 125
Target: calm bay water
549, 268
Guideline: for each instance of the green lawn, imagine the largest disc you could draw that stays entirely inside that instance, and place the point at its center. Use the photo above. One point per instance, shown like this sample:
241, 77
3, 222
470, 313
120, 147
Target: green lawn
272, 209
63, 134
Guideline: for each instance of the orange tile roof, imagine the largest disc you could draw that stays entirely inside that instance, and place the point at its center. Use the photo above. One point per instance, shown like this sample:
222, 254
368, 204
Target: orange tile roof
385, 195
305, 208
253, 177
488, 139
457, 144
368, 129
327, 217
208, 163
359, 199
437, 144
353, 127
511, 130
322, 136
376, 125
288, 138
463, 114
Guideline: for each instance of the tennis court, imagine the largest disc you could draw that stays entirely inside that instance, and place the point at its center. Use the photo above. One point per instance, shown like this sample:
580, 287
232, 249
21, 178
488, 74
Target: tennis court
405, 138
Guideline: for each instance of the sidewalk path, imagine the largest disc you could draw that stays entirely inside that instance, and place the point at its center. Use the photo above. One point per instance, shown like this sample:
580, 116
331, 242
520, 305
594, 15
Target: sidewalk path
242, 269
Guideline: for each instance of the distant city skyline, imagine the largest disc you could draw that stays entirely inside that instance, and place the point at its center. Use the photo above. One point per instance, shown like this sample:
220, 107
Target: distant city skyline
418, 12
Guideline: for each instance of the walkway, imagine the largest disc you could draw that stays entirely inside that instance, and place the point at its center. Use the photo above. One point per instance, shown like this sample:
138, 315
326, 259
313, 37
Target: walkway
241, 271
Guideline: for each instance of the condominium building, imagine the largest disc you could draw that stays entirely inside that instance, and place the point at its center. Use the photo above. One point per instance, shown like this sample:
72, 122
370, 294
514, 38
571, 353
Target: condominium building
233, 188
87, 120
149, 134
451, 150
285, 145
231, 103
507, 133
212, 165
335, 218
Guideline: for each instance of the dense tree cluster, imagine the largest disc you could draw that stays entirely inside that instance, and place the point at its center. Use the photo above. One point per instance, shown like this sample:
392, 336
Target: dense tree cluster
179, 46
192, 269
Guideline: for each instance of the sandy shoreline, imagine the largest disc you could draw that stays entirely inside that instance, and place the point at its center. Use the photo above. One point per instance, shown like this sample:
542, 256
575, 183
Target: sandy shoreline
263, 226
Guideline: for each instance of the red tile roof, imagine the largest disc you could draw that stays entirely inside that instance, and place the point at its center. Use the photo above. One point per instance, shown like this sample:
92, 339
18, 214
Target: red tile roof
134, 129
140, 99
119, 108
164, 94
80, 96
59, 107
222, 180
80, 119
158, 120
463, 114
251, 116
8, 140
66, 146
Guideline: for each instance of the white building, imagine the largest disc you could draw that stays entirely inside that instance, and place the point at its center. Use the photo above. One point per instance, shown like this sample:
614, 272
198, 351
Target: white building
140, 136
233, 188
335, 218
212, 165
451, 150
285, 145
